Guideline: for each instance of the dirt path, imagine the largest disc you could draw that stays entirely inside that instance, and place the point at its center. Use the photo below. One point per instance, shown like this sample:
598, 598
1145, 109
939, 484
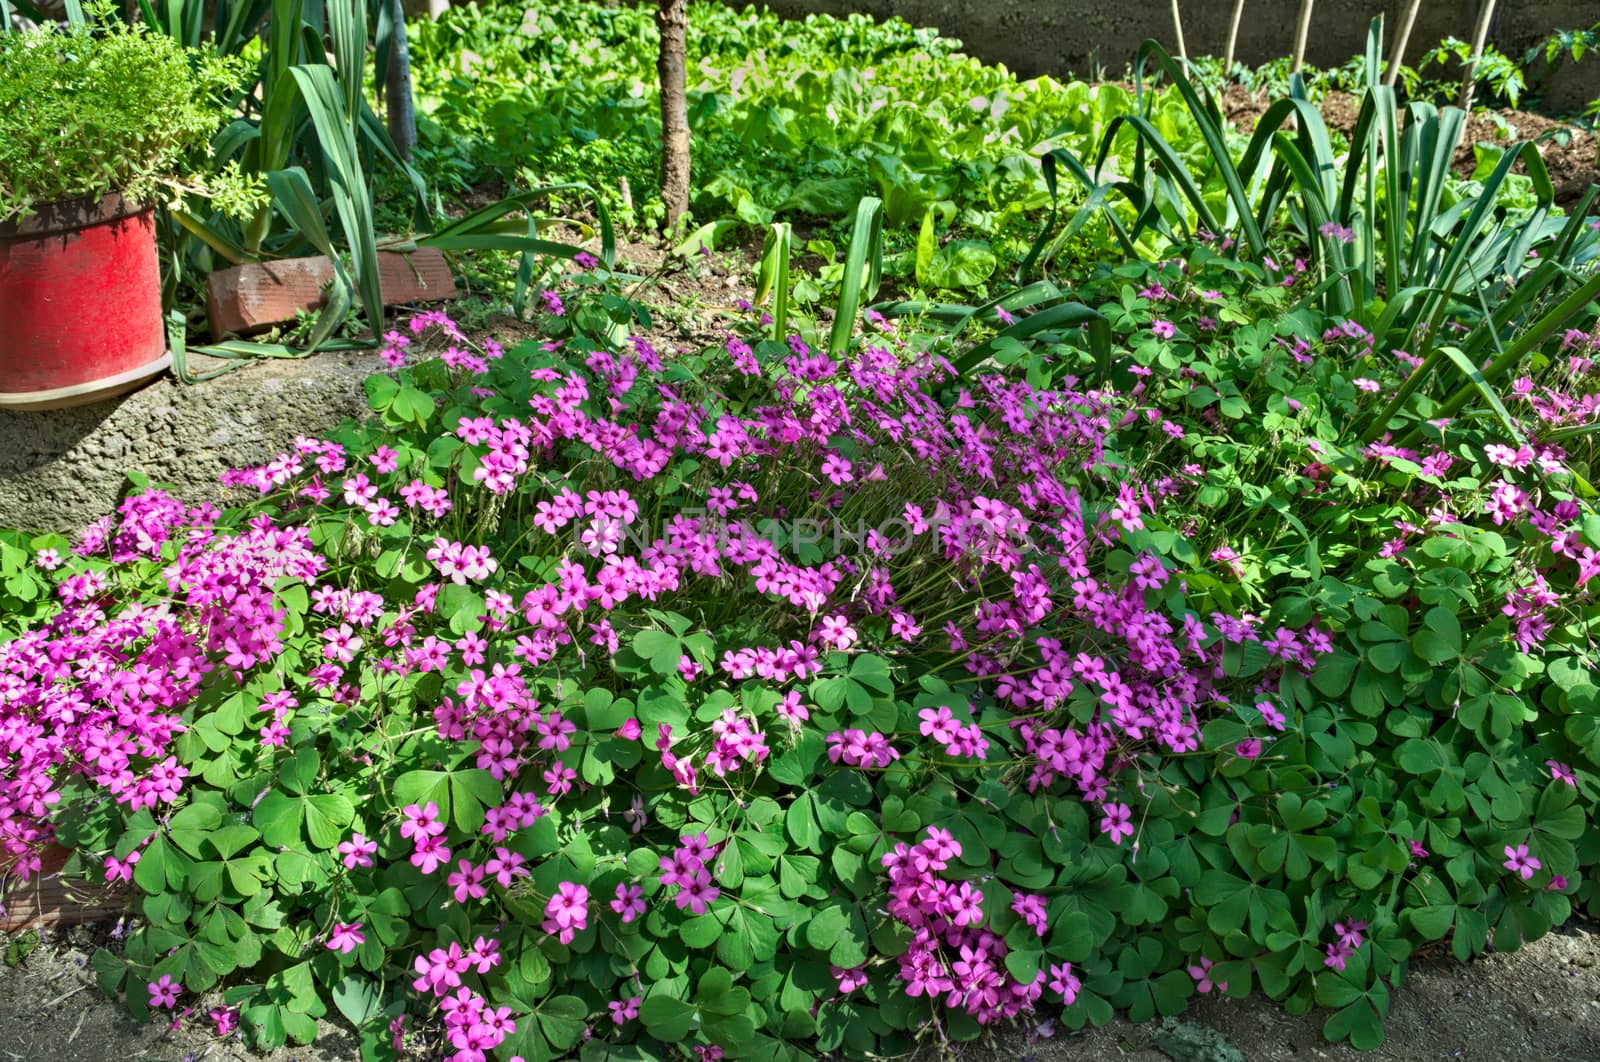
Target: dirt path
1541, 1003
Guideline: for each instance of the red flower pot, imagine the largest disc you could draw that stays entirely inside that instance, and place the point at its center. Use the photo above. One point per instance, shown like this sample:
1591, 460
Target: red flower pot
80, 304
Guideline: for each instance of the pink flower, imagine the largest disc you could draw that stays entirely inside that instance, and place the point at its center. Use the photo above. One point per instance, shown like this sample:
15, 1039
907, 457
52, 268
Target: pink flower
346, 937
164, 992
698, 895
1064, 983
567, 912
1350, 933
1202, 976
506, 866
431, 854
629, 730
837, 469
225, 1018
849, 979
629, 902
1032, 910
466, 882
625, 1010
121, 870
1163, 329
1248, 749
1116, 820
1562, 773
357, 851
1520, 862
420, 822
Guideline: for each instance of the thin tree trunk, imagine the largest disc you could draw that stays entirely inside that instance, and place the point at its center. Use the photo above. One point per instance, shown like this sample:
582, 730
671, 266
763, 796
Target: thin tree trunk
1479, 36
672, 20
400, 109
1402, 39
1302, 30
1177, 27
1233, 37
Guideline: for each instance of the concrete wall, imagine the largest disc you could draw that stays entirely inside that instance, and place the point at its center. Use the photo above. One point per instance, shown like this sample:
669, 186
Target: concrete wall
61, 469
1073, 36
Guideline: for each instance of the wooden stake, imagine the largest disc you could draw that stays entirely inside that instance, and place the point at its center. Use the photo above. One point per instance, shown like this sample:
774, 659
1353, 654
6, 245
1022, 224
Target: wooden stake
1177, 25
1233, 36
1479, 36
1400, 41
1302, 30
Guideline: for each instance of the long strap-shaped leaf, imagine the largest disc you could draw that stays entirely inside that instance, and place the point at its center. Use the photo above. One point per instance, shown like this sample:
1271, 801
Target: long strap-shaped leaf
1209, 123
1512, 355
1433, 137
211, 237
1097, 196
772, 275
1091, 206
292, 192
1541, 329
863, 266
478, 222
1055, 318
239, 23
1173, 166
1481, 386
350, 196
347, 23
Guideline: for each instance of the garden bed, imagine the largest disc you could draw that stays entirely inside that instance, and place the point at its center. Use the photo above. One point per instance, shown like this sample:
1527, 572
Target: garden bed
906, 649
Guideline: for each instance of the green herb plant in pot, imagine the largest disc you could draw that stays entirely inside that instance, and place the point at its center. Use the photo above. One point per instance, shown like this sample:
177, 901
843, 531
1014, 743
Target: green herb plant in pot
93, 121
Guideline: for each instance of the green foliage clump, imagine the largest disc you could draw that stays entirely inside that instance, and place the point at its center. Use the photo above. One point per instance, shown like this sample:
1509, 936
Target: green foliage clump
89, 111
791, 120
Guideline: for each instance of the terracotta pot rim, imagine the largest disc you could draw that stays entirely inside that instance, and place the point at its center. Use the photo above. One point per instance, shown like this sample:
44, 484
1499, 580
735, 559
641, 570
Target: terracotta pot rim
70, 215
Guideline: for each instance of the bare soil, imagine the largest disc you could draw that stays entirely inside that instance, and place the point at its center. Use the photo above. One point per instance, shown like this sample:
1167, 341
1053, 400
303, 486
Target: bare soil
1540, 1003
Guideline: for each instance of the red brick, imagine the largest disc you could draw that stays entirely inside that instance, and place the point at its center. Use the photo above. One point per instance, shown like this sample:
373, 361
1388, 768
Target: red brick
254, 297
49, 900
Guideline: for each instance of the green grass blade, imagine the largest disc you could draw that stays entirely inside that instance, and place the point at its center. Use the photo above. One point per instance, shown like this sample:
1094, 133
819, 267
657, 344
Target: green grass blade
1435, 145
501, 242
1578, 222
1511, 357
1174, 169
292, 194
